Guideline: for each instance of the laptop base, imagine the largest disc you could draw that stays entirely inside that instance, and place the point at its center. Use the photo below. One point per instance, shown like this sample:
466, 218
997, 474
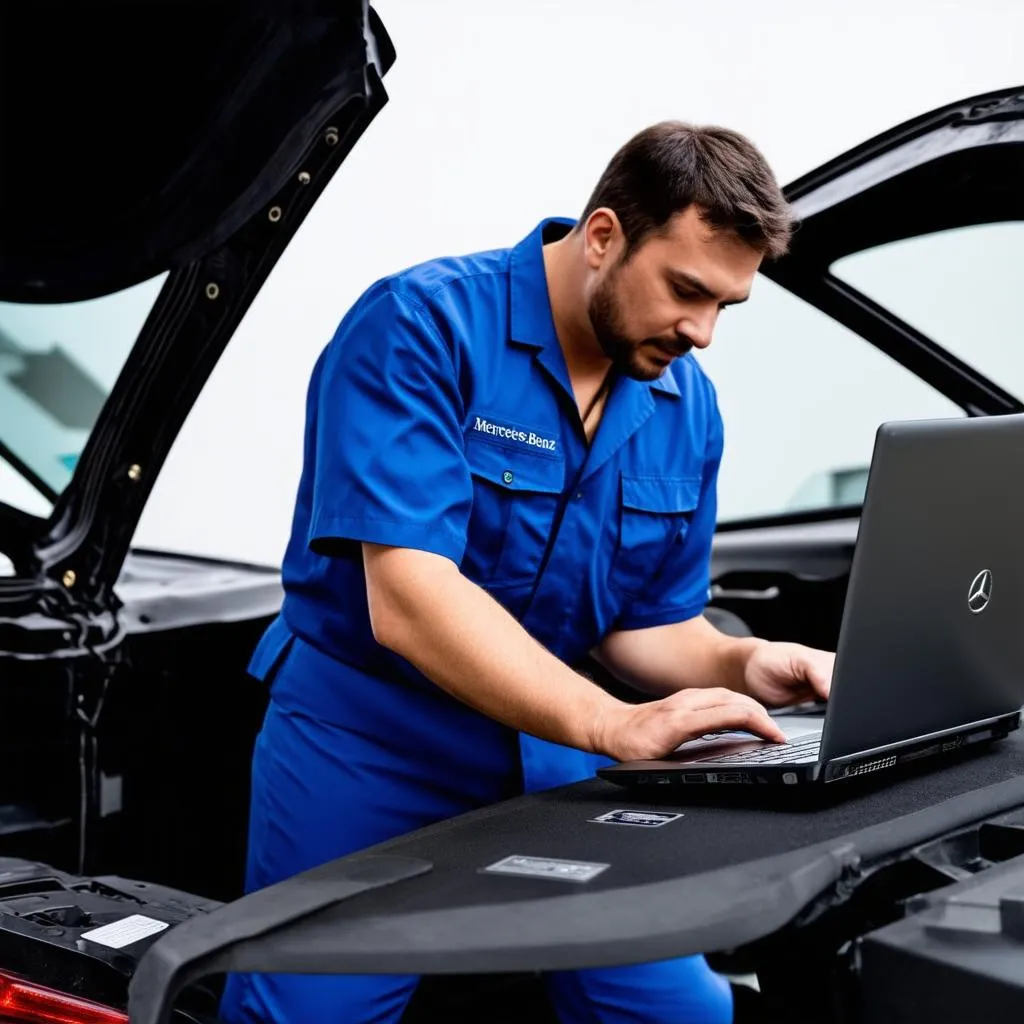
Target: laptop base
721, 766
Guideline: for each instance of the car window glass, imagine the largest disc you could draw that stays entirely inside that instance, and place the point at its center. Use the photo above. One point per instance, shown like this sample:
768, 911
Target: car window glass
16, 491
802, 397
58, 362
963, 288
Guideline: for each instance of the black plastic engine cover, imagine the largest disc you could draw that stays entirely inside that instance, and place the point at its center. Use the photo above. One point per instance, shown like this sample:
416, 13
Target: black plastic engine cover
46, 916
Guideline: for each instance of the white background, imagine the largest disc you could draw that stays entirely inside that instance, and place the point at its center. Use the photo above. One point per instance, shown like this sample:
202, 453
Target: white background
503, 112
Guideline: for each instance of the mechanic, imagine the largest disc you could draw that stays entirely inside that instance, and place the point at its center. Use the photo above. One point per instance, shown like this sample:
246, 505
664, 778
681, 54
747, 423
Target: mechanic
510, 462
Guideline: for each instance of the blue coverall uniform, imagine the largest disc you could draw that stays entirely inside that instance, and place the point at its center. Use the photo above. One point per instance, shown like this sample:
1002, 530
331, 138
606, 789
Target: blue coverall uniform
441, 417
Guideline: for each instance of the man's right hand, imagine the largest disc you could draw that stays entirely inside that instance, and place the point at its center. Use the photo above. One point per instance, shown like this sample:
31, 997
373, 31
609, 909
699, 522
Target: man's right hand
649, 731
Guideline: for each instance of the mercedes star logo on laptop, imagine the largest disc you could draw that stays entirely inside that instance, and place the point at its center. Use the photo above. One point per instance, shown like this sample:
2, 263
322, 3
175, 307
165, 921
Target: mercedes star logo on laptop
980, 593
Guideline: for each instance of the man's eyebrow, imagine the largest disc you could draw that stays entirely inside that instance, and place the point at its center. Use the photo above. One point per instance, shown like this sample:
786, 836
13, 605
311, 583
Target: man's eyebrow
682, 277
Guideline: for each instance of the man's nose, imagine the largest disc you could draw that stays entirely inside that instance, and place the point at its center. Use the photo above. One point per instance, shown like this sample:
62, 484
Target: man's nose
695, 332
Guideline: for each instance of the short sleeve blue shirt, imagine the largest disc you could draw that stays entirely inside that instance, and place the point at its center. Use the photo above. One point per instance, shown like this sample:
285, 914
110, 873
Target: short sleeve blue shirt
441, 417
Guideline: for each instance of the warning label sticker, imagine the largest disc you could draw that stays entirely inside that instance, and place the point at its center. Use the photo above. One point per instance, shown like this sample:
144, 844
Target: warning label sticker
548, 867
638, 819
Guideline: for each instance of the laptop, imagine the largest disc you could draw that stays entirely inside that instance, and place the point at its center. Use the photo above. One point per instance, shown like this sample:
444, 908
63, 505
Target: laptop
930, 657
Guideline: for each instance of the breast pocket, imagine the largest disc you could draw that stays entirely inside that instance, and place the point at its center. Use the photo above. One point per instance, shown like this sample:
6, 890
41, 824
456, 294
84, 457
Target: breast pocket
654, 514
515, 502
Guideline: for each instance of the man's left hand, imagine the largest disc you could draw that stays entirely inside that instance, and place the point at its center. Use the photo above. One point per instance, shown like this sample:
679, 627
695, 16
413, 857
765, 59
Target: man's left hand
779, 674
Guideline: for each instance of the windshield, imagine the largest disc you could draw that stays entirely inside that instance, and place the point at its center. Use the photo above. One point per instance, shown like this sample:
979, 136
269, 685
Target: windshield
963, 287
58, 363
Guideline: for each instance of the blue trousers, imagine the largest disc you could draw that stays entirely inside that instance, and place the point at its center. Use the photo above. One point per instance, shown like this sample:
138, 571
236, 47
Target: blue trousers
321, 791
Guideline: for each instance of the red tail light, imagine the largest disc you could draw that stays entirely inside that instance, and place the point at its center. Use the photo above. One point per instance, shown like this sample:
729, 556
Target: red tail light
21, 1002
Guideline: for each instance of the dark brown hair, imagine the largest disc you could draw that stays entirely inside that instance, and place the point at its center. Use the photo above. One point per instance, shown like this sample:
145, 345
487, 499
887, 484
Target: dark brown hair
672, 165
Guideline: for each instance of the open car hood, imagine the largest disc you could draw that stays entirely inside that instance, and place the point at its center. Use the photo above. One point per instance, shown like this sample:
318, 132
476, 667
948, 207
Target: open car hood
188, 140
959, 166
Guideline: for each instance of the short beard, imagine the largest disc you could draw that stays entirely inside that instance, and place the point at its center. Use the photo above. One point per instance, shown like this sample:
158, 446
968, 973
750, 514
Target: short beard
605, 316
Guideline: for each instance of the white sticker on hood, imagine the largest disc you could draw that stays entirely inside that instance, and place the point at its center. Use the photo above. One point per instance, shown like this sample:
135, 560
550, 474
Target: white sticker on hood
126, 931
547, 867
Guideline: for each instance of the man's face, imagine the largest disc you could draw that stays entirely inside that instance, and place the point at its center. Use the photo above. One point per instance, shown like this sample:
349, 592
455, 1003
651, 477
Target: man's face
665, 299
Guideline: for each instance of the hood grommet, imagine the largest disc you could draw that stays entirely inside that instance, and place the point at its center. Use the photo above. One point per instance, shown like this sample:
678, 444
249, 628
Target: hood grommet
305, 177
274, 214
135, 472
69, 578
331, 136
212, 290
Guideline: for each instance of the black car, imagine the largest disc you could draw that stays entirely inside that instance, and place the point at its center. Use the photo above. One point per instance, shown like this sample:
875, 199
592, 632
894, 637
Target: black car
185, 144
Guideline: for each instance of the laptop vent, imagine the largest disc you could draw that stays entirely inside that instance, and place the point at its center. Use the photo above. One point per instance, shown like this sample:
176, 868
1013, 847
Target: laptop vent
871, 766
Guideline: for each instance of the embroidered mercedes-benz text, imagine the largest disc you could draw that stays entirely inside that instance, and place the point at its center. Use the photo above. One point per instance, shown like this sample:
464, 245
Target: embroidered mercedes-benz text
507, 433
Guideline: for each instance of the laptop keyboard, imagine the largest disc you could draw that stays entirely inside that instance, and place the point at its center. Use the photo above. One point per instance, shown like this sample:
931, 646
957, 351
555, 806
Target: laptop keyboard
777, 753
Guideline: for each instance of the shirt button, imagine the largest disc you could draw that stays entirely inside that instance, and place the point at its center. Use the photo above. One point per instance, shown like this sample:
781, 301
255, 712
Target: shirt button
507, 476
578, 496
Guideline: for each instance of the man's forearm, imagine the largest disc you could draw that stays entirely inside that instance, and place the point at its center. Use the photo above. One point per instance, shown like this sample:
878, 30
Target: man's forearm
425, 610
665, 659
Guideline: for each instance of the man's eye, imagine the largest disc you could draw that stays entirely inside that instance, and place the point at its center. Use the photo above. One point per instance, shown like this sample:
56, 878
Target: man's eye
684, 294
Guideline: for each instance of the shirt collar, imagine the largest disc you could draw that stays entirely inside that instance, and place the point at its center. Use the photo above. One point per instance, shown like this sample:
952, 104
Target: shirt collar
532, 323
667, 382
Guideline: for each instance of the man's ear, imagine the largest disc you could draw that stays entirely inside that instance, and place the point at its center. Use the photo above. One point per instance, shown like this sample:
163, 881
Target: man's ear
602, 236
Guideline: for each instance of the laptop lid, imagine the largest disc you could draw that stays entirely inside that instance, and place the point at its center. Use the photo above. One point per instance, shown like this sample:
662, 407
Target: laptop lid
932, 635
